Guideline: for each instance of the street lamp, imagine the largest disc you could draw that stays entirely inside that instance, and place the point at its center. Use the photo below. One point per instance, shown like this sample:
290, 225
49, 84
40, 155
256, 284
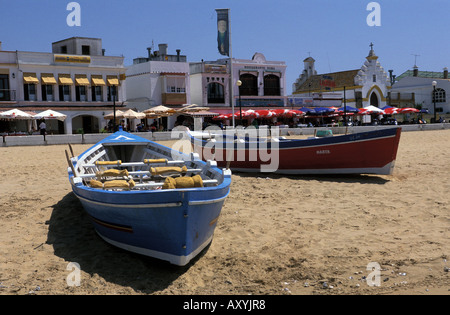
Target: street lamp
113, 90
434, 83
239, 83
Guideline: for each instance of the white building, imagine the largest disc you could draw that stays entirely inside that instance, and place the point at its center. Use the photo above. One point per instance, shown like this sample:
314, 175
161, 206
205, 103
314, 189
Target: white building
415, 88
263, 83
159, 79
368, 85
76, 79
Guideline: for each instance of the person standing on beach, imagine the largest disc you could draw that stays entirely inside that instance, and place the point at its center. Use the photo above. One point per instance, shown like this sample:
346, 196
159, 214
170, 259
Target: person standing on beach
43, 128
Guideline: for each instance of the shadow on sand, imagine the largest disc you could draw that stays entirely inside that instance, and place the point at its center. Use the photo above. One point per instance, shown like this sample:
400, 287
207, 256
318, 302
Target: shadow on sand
360, 179
74, 239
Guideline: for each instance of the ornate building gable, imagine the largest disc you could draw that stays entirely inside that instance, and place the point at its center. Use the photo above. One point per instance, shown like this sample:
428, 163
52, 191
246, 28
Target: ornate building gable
373, 79
369, 85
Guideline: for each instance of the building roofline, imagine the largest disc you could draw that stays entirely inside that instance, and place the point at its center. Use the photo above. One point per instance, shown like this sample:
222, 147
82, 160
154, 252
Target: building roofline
76, 37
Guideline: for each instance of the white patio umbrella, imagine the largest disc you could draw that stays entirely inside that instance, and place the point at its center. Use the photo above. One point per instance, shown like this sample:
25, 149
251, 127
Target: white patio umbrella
50, 114
16, 114
119, 114
131, 114
160, 110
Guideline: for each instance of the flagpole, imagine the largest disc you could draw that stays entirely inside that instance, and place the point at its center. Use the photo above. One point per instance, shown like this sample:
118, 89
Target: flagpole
231, 68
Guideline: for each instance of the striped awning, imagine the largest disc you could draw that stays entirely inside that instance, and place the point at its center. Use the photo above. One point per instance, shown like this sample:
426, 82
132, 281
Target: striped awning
81, 79
97, 80
30, 78
201, 114
48, 79
65, 79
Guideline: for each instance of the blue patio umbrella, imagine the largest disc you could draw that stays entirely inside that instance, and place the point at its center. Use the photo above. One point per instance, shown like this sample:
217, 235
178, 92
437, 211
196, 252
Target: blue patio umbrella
348, 109
306, 110
323, 110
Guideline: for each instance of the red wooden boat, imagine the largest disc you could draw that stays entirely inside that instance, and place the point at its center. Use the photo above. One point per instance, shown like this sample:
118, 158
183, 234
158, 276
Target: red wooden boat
371, 152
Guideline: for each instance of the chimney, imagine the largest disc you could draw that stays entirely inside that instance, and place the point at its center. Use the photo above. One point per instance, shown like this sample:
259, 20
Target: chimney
103, 51
416, 71
162, 49
178, 55
0, 45
445, 73
149, 49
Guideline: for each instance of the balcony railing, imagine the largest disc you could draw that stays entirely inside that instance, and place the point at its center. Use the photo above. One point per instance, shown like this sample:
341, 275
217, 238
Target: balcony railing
7, 95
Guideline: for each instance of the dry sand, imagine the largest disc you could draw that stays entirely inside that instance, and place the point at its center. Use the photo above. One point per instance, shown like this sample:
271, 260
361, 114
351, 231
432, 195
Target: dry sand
276, 235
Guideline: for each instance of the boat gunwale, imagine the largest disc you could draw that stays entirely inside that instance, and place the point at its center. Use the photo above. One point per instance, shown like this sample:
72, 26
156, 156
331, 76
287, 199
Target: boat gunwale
224, 178
285, 144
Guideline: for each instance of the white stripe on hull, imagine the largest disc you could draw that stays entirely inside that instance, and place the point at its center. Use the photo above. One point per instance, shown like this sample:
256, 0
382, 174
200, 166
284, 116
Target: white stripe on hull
385, 170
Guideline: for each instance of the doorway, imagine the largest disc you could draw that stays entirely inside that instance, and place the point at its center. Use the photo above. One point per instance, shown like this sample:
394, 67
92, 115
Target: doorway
374, 100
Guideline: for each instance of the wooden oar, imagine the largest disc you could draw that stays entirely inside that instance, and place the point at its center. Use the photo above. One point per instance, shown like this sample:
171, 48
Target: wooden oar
69, 161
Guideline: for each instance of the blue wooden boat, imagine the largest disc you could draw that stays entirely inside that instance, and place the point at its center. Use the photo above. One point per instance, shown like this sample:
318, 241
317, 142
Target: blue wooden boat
146, 198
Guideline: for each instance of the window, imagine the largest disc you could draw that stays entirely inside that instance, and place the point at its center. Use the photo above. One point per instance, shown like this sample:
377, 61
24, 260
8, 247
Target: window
249, 85
439, 96
64, 93
374, 78
81, 94
63, 49
113, 93
272, 85
175, 85
358, 99
85, 50
47, 93
4, 88
30, 92
216, 93
97, 93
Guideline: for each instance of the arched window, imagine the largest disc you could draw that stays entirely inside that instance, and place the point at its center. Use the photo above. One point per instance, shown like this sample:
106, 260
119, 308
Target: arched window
216, 93
272, 85
249, 85
439, 96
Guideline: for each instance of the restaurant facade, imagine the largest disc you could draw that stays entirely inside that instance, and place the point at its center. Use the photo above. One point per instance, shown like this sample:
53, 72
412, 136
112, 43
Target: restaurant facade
76, 79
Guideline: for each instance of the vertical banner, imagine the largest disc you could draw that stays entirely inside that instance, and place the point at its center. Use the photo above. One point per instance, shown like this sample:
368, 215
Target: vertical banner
223, 28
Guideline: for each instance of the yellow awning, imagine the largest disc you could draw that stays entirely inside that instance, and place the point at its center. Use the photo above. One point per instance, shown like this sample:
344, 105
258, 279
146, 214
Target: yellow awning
65, 79
81, 79
112, 80
48, 79
97, 80
30, 78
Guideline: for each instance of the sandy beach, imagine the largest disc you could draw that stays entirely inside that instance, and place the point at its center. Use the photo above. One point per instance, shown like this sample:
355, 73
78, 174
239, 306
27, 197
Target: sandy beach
277, 235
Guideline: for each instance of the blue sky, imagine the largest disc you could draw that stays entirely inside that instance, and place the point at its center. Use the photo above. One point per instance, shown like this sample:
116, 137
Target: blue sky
334, 32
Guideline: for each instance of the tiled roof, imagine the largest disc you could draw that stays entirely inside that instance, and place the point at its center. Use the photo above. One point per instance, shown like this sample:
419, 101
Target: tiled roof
421, 74
341, 79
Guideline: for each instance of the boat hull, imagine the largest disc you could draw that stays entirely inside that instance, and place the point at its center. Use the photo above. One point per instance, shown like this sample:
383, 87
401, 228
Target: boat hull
174, 226
371, 152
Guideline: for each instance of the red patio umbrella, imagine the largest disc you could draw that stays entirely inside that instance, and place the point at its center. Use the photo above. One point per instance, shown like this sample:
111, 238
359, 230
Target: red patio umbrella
264, 113
279, 112
293, 113
391, 110
251, 114
408, 110
223, 117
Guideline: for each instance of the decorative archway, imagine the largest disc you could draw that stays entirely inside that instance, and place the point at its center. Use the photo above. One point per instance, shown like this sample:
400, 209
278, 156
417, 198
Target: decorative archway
375, 96
216, 93
272, 85
249, 85
86, 123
